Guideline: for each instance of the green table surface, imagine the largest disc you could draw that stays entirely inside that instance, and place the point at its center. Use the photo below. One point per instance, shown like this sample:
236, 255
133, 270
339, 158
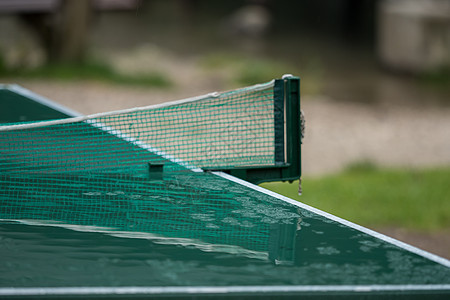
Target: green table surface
186, 234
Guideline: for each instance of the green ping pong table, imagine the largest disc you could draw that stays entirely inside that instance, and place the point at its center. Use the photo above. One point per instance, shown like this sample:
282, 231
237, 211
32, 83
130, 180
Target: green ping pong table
180, 232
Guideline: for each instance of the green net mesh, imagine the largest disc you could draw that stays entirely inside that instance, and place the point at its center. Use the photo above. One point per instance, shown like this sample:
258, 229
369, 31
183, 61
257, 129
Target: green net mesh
140, 169
230, 129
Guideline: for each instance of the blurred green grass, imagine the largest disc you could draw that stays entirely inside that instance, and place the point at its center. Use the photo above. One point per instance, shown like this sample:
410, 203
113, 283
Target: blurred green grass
437, 79
417, 199
87, 70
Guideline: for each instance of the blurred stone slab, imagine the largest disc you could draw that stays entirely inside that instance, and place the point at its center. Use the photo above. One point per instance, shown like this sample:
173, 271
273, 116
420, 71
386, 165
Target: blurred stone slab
414, 35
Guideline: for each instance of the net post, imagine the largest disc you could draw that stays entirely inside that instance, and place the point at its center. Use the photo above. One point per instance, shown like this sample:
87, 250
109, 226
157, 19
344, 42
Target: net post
293, 126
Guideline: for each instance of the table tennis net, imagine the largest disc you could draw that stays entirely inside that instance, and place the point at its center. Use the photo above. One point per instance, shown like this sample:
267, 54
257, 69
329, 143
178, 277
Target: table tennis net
218, 130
